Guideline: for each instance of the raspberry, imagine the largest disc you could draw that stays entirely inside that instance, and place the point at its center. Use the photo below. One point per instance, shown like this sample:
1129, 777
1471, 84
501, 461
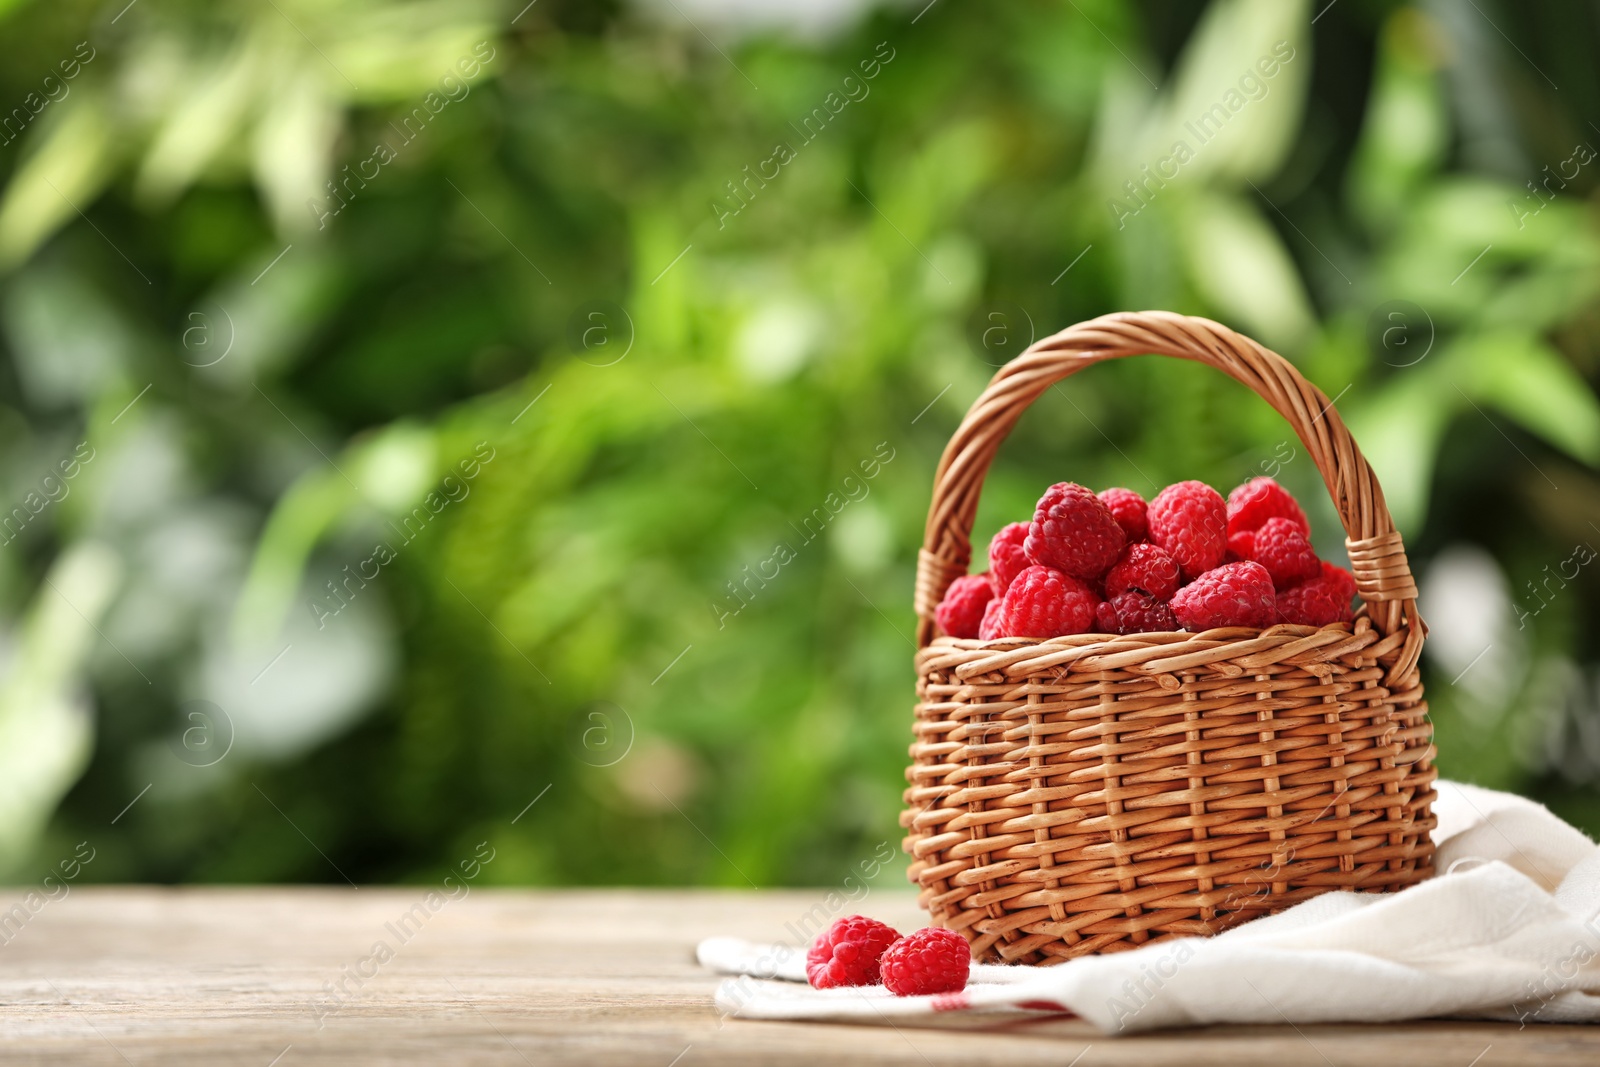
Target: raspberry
1145, 567
961, 611
1128, 508
1006, 558
1340, 578
1282, 548
1073, 532
1134, 613
1241, 545
1190, 521
931, 960
847, 953
1320, 601
1234, 594
1043, 602
1260, 499
989, 628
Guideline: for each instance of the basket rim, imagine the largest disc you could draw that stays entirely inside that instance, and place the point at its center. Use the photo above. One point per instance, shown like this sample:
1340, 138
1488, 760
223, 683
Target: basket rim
1229, 651
1153, 637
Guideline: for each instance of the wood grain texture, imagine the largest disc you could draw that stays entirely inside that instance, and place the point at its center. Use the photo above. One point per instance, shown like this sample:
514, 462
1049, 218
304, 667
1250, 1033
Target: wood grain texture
600, 977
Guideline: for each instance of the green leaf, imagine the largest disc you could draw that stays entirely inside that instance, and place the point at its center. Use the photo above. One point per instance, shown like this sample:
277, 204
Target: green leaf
205, 121
1240, 121
1407, 126
1399, 427
1240, 266
293, 147
45, 731
61, 177
1535, 385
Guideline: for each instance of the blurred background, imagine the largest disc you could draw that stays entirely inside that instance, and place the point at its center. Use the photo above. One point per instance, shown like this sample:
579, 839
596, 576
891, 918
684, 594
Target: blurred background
434, 422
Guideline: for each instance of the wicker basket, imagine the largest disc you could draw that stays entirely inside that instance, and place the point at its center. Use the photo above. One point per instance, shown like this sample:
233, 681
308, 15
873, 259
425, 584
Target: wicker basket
1090, 793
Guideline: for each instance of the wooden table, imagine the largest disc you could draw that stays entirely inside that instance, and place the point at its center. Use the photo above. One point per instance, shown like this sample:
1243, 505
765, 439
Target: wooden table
240, 976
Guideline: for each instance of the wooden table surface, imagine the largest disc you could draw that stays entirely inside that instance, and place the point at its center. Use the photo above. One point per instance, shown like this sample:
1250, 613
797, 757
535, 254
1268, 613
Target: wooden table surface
241, 976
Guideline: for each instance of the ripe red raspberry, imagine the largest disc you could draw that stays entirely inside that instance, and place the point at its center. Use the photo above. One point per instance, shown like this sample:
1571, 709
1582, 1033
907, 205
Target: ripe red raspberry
1260, 499
960, 613
1134, 613
931, 960
1043, 602
989, 628
1340, 578
1006, 557
847, 953
1282, 548
1128, 508
1145, 567
1320, 601
1073, 532
1241, 545
1190, 521
1234, 594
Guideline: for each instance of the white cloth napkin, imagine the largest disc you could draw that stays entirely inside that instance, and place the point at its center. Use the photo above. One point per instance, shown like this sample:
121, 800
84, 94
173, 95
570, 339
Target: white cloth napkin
1508, 930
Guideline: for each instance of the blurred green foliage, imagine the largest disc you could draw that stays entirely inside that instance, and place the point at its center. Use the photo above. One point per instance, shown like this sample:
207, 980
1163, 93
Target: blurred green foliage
461, 483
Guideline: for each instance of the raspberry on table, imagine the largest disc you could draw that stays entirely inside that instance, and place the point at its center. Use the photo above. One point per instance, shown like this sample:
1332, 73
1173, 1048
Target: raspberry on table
1044, 602
1190, 520
1134, 612
847, 953
989, 628
1146, 567
932, 960
1323, 600
1006, 557
1282, 548
1234, 594
1253, 503
1074, 532
960, 613
1128, 508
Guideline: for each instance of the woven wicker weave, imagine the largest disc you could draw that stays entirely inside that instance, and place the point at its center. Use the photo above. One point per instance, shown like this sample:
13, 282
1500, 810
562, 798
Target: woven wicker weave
1091, 793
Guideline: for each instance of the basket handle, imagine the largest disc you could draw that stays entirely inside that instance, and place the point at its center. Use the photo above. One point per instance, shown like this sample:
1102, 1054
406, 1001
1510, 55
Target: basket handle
1377, 556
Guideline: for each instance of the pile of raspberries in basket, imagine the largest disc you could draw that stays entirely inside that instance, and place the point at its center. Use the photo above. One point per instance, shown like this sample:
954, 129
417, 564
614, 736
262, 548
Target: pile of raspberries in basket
1110, 563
